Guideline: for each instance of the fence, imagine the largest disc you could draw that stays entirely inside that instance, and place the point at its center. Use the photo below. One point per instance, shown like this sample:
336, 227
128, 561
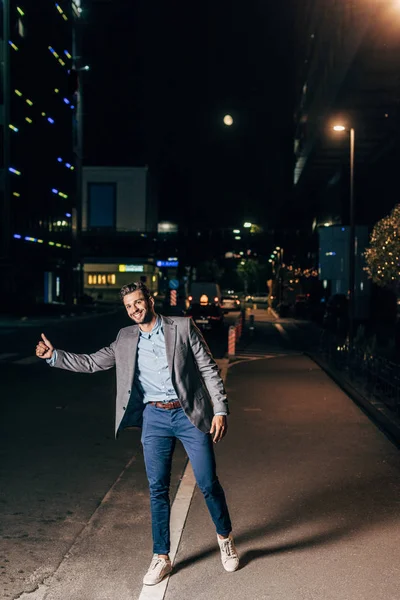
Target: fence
373, 375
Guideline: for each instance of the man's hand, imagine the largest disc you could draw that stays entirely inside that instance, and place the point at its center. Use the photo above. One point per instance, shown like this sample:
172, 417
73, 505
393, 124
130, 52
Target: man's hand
44, 349
219, 427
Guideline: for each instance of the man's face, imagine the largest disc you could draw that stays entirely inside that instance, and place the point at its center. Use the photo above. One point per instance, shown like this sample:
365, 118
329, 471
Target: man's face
138, 308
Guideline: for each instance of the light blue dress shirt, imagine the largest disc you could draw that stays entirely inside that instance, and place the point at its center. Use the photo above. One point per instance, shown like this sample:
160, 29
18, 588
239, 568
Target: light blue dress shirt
152, 376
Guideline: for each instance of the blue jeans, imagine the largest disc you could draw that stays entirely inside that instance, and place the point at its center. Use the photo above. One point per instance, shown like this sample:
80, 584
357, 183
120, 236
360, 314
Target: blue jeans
161, 428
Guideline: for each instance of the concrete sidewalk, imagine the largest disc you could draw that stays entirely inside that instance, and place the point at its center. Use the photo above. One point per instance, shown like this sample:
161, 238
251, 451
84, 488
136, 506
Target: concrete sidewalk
313, 489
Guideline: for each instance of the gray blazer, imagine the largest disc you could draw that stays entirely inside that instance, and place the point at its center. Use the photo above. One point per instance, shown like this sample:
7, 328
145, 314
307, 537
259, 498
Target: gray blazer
194, 372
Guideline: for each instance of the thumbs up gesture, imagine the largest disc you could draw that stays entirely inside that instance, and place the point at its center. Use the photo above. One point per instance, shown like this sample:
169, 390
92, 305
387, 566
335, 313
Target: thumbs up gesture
44, 348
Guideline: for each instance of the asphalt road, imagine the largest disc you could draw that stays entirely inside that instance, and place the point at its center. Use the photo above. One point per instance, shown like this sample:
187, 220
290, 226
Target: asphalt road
312, 484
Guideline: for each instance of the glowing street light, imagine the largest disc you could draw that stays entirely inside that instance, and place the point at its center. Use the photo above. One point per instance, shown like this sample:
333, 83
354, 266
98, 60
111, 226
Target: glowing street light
228, 120
339, 128
247, 225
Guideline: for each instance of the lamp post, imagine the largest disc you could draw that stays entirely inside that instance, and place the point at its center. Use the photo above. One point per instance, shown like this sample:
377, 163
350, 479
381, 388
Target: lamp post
352, 262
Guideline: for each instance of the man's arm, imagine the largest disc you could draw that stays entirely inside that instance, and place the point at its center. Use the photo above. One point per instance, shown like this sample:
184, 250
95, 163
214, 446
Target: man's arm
208, 369
81, 363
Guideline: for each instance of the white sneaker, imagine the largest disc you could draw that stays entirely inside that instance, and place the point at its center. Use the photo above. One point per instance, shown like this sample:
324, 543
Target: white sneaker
229, 554
159, 568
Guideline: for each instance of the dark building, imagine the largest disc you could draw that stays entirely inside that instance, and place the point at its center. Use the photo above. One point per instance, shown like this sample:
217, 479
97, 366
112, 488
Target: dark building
348, 73
40, 164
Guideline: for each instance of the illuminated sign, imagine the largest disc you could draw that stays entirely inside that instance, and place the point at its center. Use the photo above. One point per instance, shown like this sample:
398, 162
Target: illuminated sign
167, 263
131, 268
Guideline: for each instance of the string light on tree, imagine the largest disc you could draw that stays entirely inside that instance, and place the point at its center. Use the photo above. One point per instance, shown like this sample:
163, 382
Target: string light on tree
383, 253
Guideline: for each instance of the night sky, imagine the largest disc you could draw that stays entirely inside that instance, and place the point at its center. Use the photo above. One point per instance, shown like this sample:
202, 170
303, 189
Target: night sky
162, 77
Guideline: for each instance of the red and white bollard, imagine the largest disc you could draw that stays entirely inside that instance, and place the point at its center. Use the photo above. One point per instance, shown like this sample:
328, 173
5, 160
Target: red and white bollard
232, 340
173, 298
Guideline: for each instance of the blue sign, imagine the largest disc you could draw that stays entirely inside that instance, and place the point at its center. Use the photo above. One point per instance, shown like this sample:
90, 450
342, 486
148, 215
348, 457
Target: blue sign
167, 263
173, 284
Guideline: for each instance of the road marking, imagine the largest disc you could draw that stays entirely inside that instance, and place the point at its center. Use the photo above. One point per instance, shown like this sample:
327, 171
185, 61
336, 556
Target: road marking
28, 360
179, 513
281, 330
6, 355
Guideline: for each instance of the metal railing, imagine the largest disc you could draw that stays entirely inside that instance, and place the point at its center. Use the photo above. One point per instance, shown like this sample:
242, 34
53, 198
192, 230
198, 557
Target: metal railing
375, 376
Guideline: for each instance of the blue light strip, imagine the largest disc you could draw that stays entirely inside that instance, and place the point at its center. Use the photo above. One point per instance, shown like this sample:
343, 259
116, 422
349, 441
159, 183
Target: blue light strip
27, 238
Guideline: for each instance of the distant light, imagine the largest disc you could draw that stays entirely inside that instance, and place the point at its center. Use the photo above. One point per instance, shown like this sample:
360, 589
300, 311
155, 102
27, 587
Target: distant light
54, 191
59, 159
343, 228
67, 54
16, 194
228, 120
327, 224
18, 93
21, 12
330, 253
17, 236
50, 120
68, 215
12, 170
339, 128
68, 165
237, 237
28, 119
270, 260
236, 231
13, 128
277, 247
66, 100
72, 106
247, 225
29, 102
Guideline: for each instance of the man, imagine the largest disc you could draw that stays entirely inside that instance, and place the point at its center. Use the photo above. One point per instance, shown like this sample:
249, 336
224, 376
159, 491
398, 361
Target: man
168, 383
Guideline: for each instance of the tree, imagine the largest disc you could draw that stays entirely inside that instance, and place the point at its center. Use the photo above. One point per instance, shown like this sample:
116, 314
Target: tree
248, 271
383, 253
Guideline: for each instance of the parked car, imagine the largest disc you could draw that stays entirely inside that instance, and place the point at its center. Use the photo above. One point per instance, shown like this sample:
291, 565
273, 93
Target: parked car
261, 298
230, 303
204, 292
206, 317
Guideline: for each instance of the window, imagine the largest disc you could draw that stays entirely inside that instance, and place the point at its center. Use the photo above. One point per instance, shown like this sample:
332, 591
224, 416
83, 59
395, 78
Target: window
102, 279
102, 205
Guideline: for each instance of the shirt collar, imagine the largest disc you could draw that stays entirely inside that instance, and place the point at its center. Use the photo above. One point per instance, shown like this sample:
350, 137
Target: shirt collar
156, 329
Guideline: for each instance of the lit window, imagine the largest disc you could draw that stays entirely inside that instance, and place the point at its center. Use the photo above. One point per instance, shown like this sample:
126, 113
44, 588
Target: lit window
111, 279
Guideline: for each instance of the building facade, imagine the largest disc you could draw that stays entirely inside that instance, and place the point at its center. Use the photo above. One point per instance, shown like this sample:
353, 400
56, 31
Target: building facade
347, 73
41, 141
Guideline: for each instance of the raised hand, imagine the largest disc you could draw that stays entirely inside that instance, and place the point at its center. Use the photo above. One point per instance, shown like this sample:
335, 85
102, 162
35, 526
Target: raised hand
45, 348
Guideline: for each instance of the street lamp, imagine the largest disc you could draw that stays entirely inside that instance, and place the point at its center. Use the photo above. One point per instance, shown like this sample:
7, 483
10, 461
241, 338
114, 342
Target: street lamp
247, 225
352, 235
228, 121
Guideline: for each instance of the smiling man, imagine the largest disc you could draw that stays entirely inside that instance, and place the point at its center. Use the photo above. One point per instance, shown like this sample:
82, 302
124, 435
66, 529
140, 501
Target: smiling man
167, 383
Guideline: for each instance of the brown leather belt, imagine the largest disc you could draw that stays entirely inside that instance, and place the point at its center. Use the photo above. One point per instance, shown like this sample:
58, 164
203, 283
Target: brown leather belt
167, 405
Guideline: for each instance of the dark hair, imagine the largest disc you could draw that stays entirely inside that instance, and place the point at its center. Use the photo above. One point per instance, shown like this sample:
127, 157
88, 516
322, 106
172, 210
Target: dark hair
134, 287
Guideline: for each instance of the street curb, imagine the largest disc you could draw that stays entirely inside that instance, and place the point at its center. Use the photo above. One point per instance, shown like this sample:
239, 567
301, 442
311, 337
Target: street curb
387, 422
